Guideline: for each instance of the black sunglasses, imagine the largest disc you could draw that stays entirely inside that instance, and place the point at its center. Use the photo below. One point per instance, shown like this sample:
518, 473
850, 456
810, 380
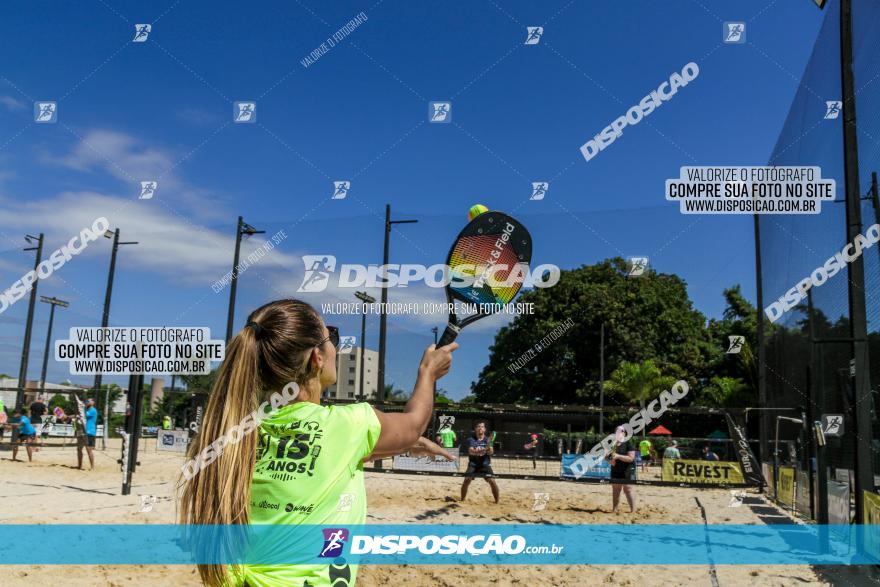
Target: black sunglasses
333, 337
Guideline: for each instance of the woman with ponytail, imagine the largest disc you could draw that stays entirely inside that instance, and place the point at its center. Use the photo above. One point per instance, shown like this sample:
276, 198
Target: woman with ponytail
302, 457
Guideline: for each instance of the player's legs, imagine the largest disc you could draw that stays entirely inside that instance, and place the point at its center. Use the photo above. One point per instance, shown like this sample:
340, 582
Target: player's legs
494, 487
90, 446
464, 487
630, 493
29, 447
80, 444
615, 496
15, 451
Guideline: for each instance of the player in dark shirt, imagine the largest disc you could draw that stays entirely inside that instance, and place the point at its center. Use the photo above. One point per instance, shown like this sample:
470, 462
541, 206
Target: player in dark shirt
623, 469
479, 447
38, 410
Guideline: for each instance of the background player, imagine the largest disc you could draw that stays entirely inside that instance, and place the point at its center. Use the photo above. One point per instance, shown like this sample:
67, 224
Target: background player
480, 452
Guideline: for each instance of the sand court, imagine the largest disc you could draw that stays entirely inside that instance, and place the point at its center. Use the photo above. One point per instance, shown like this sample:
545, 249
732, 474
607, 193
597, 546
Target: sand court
52, 491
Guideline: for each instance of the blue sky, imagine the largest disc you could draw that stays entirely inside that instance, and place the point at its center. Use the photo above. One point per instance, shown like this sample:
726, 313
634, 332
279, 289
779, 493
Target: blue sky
162, 110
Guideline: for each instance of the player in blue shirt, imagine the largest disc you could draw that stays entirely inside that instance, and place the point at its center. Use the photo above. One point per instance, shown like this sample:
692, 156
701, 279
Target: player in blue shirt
87, 440
26, 435
479, 447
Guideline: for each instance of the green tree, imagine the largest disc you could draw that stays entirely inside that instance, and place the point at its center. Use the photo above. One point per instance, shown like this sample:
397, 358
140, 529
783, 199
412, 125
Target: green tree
200, 382
638, 382
726, 392
395, 394
645, 317
175, 405
441, 397
61, 401
739, 319
115, 392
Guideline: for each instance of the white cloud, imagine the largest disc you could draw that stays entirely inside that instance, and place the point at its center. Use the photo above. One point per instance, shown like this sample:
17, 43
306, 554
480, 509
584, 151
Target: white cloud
11, 103
168, 243
119, 154
126, 158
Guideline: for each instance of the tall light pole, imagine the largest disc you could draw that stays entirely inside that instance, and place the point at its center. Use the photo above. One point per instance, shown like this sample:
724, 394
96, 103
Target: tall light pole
434, 330
366, 299
105, 320
858, 329
241, 229
601, 378
26, 347
382, 316
53, 301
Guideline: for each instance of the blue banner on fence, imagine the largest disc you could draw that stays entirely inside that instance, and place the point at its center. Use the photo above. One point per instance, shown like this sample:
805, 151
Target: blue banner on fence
601, 471
438, 544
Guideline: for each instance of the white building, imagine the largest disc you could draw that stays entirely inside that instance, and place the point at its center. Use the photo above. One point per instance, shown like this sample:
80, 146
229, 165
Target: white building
8, 392
349, 372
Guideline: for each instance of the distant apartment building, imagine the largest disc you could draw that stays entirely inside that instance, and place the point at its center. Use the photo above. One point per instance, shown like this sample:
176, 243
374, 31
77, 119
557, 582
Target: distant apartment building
349, 373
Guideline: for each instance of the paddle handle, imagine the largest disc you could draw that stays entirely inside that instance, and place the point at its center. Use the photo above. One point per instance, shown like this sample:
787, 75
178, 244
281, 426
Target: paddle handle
449, 335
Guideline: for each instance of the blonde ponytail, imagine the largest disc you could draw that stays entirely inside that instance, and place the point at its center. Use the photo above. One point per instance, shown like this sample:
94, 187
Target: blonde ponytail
263, 357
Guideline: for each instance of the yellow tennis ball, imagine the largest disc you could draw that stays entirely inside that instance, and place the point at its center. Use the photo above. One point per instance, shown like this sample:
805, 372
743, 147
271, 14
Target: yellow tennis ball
476, 211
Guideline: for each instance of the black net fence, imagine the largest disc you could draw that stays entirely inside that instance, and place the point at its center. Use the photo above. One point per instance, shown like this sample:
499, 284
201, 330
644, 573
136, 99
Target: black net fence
808, 349
545, 441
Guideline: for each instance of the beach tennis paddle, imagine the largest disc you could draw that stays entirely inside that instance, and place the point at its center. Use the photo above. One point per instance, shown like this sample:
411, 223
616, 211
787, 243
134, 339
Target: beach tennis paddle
488, 263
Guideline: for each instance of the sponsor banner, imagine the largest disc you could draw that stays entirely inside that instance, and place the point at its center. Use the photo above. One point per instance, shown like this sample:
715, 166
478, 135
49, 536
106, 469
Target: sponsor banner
802, 491
63, 430
838, 502
172, 440
871, 523
705, 472
768, 475
600, 471
785, 486
748, 463
427, 463
53, 429
446, 544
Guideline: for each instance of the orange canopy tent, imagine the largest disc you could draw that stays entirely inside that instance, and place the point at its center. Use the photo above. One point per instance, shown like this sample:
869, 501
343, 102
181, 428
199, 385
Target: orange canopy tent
660, 430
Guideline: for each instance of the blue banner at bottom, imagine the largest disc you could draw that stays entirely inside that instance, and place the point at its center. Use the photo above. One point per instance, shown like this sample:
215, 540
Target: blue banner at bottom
506, 544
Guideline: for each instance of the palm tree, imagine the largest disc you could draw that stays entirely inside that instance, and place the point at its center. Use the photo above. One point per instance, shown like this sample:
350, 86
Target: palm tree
638, 382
